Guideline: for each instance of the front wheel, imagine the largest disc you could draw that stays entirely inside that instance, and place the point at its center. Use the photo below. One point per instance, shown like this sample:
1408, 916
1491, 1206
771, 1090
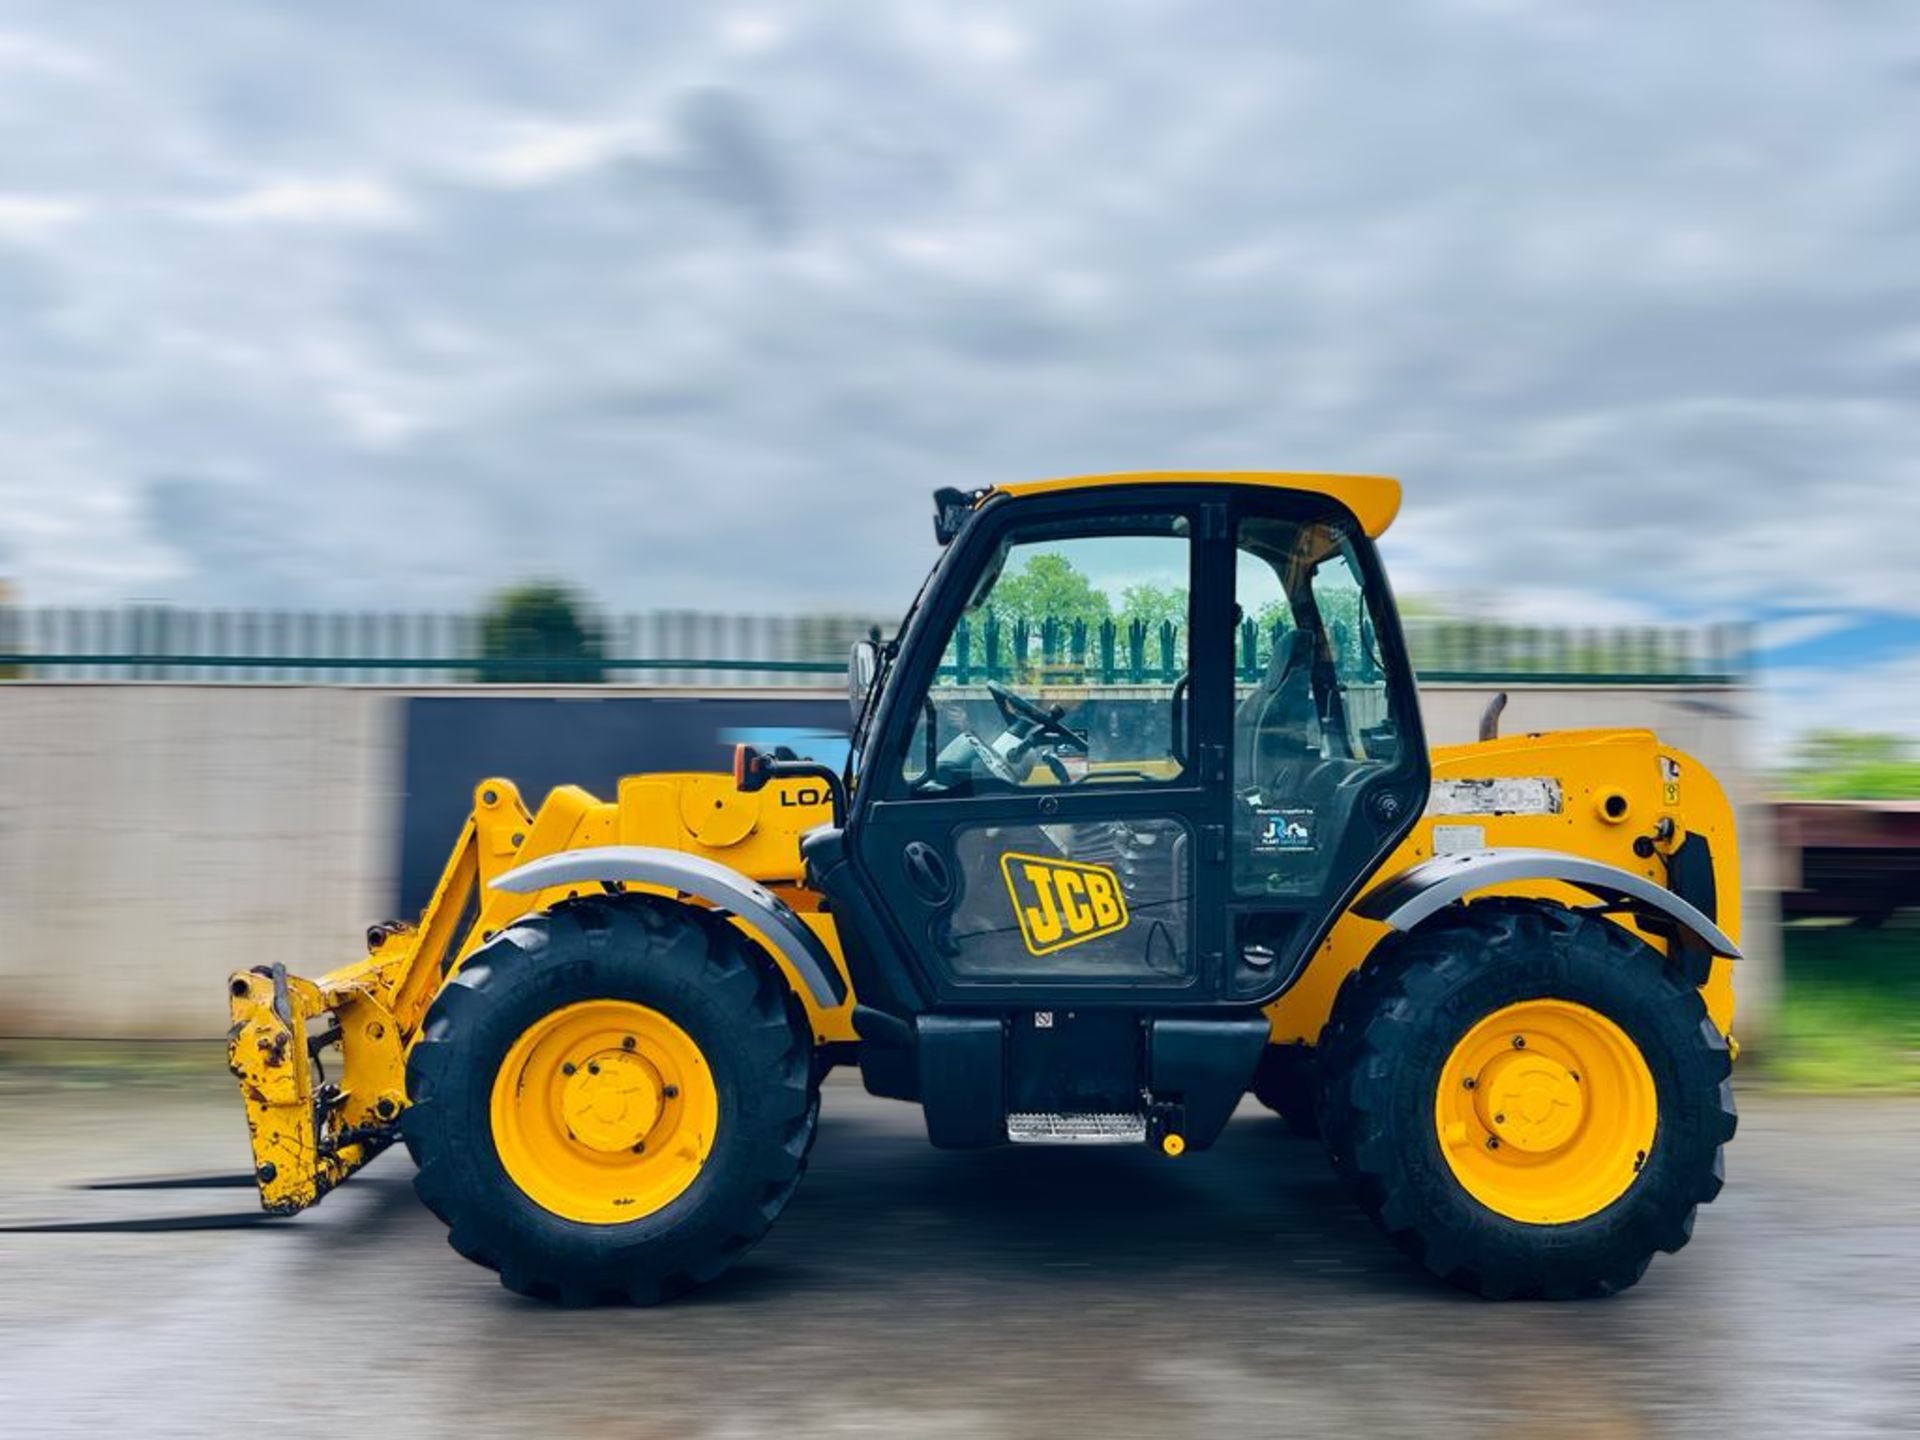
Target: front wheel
1529, 1101
611, 1100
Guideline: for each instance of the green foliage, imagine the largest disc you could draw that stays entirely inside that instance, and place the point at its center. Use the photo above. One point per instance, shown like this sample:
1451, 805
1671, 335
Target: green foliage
1153, 604
1048, 586
1852, 765
1850, 1013
544, 625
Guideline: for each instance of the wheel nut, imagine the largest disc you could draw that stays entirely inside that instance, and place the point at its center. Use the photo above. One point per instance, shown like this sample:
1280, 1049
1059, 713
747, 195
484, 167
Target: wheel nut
1468, 1083
1493, 1142
567, 1069
627, 1044
1519, 1042
592, 1068
672, 1092
640, 1147
1499, 1119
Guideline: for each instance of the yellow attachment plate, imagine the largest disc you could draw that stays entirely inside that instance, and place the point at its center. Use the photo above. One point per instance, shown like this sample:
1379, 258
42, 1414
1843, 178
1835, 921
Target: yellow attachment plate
1546, 1111
604, 1111
267, 1051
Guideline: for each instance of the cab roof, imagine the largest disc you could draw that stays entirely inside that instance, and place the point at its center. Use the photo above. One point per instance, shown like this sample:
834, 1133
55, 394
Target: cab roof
1373, 499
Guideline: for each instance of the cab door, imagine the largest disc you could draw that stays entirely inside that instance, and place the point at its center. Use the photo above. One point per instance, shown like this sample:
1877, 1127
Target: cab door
1044, 808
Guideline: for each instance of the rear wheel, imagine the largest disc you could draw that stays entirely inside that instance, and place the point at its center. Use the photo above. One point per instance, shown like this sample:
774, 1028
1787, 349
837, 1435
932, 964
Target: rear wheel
611, 1101
1529, 1101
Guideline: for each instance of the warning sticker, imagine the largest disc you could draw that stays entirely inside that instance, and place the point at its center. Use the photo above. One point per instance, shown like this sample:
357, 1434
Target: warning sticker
1283, 832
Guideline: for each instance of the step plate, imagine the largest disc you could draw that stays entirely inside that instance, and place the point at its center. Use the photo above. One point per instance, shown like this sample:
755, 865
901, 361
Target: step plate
1044, 1128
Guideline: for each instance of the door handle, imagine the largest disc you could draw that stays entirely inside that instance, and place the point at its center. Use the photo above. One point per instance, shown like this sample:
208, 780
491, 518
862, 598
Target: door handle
927, 873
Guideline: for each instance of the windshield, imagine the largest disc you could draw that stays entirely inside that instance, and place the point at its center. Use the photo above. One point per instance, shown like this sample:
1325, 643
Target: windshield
1067, 665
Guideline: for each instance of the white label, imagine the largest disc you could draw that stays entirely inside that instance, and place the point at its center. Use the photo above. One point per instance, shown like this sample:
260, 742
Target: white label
1518, 795
1452, 839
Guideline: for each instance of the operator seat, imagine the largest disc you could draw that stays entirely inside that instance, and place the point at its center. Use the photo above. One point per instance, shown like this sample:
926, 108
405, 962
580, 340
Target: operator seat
1275, 729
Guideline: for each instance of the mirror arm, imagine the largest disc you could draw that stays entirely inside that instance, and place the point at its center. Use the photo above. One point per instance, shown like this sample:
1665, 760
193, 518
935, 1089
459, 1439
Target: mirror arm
752, 769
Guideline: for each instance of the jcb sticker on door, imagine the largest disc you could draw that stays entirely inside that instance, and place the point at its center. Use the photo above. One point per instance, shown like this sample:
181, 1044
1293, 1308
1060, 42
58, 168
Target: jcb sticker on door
1059, 903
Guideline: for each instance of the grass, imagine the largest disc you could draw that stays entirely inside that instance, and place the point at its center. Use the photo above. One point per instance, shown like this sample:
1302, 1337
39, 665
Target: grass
1850, 1017
32, 1065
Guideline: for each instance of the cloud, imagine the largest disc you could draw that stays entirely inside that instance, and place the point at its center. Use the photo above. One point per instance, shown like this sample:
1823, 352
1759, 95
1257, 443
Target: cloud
695, 308
35, 54
1792, 631
352, 203
32, 216
731, 158
542, 152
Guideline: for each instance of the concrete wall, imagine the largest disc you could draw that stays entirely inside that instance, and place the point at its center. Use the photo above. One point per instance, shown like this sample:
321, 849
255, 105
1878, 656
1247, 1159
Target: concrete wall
155, 837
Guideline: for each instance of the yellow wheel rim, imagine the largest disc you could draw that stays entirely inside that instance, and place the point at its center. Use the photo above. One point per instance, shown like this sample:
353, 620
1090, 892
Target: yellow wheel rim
1546, 1112
604, 1111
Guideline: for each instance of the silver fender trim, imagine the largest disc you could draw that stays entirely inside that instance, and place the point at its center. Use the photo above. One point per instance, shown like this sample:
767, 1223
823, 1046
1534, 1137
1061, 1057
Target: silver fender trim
707, 881
1417, 892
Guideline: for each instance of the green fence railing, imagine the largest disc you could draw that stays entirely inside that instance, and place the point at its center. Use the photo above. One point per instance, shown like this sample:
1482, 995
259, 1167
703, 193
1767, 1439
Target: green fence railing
156, 642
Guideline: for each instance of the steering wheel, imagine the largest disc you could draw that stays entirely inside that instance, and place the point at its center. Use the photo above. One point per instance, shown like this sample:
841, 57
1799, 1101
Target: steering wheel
1015, 709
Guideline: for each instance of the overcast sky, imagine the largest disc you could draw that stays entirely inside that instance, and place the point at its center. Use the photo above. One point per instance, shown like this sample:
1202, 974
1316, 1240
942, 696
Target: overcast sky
383, 304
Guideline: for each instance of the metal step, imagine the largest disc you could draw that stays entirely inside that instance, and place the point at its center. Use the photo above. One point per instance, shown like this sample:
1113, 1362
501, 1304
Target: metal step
1046, 1128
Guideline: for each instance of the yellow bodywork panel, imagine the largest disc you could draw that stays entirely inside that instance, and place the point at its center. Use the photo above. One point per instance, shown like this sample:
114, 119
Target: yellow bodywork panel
1373, 499
1614, 787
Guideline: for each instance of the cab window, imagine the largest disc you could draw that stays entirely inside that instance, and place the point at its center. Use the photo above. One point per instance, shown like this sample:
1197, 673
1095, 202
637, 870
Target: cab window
1313, 716
1067, 667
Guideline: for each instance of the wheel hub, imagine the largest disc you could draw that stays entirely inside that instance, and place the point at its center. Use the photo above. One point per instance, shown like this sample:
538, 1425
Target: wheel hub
604, 1111
1530, 1100
1546, 1111
611, 1101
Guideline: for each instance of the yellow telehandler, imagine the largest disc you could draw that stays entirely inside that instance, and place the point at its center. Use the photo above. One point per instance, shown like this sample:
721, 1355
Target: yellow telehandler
1137, 817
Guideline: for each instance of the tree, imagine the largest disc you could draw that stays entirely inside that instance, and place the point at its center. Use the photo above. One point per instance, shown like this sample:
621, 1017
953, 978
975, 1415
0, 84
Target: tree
1048, 586
539, 622
1154, 603
1853, 765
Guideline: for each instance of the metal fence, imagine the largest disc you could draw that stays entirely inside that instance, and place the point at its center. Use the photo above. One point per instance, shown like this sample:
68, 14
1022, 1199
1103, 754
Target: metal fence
680, 647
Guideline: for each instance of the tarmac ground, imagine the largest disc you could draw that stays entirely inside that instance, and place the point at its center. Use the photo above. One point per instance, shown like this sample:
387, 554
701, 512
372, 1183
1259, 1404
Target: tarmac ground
914, 1292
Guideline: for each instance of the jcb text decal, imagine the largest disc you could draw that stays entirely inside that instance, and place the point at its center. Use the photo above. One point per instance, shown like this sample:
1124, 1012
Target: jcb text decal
1059, 903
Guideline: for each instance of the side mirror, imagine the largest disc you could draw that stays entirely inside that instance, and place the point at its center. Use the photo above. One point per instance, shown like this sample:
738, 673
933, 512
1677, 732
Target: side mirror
862, 664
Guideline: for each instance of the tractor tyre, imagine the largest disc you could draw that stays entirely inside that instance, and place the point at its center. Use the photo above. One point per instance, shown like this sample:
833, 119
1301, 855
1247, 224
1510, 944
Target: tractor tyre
611, 1101
1529, 1101
1284, 1083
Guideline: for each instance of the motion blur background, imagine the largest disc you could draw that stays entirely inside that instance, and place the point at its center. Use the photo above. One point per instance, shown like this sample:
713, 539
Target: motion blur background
357, 360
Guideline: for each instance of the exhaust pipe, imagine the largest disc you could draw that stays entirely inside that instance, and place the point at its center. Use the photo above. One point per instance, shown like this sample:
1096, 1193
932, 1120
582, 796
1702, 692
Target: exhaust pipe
1490, 717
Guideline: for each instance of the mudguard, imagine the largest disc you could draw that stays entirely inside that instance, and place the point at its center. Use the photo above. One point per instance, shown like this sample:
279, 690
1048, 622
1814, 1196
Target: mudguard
707, 881
1417, 892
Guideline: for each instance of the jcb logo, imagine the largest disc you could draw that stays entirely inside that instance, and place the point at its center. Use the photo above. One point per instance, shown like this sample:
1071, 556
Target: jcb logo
1059, 903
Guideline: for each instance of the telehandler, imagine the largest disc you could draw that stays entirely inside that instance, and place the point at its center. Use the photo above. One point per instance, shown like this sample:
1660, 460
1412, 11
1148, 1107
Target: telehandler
1138, 817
